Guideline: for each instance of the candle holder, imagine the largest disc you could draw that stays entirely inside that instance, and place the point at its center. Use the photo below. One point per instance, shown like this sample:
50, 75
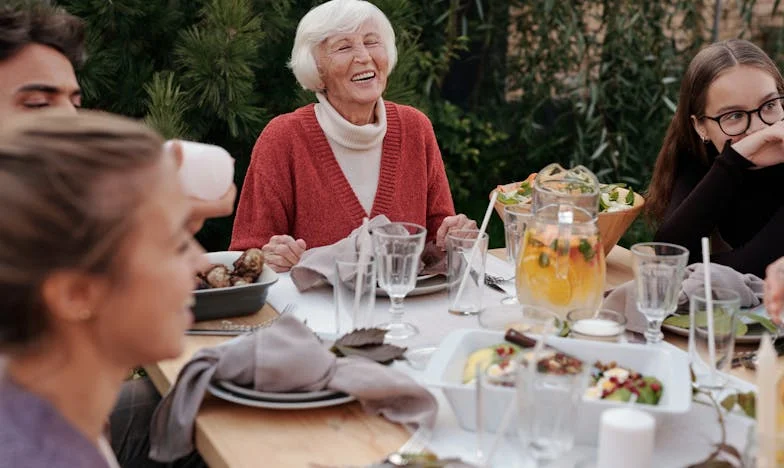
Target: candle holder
596, 325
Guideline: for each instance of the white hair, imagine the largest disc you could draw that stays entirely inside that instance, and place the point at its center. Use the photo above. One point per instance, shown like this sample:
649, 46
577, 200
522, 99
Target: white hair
328, 19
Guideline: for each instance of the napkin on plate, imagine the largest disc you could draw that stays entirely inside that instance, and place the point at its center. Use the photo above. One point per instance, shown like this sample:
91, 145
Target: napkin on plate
748, 286
285, 357
317, 265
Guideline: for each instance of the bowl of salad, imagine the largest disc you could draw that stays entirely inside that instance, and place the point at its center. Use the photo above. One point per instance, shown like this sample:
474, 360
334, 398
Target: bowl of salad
619, 206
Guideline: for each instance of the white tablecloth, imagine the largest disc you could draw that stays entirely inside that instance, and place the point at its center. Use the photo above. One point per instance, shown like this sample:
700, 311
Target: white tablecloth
680, 440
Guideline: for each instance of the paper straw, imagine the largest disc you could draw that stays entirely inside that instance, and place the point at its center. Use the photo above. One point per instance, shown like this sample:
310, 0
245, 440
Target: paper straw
363, 238
709, 305
475, 247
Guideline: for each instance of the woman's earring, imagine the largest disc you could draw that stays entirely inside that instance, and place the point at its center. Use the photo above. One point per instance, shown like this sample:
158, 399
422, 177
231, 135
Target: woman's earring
705, 140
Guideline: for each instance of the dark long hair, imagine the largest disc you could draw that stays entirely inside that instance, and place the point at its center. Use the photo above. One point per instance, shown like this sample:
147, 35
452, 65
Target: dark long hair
681, 140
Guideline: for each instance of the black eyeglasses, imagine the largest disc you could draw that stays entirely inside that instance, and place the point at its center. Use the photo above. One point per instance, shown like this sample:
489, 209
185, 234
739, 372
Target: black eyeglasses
736, 122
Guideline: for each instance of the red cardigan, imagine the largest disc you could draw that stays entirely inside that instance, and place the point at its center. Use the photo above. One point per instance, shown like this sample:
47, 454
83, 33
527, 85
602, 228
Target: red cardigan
295, 186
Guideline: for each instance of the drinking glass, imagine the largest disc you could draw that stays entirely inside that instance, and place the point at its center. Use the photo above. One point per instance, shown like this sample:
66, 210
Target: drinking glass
547, 408
466, 252
596, 325
516, 219
398, 247
658, 273
710, 372
354, 293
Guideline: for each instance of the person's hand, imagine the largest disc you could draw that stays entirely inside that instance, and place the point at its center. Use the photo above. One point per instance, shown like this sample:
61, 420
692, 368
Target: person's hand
774, 290
202, 210
283, 252
764, 147
452, 223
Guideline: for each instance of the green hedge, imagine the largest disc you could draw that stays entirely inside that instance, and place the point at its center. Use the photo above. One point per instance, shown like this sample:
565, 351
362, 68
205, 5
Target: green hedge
591, 82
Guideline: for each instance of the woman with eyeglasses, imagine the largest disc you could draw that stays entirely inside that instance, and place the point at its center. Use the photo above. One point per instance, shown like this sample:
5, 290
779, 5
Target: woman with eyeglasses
720, 169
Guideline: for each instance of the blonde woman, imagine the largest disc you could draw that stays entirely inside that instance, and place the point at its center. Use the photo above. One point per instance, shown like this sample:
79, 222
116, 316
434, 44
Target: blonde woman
96, 276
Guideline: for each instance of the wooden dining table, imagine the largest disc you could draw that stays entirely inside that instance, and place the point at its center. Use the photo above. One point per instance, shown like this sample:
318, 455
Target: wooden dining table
231, 435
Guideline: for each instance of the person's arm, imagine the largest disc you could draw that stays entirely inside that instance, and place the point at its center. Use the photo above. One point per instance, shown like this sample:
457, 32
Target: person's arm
203, 210
774, 289
755, 255
696, 207
439, 197
267, 198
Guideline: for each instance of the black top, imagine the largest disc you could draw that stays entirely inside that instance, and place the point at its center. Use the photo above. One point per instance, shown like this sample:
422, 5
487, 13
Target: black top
742, 204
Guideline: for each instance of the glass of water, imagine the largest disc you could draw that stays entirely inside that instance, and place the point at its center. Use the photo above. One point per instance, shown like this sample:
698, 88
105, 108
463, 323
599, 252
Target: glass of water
658, 273
547, 409
516, 219
711, 361
398, 247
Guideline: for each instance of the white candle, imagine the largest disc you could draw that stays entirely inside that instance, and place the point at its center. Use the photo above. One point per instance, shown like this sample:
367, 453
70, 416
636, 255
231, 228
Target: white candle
766, 404
626, 439
207, 171
597, 327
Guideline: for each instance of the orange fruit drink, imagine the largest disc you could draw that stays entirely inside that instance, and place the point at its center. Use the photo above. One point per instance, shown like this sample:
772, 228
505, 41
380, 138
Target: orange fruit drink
559, 277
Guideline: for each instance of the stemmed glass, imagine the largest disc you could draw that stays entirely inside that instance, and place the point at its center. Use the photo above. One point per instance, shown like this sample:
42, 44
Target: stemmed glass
658, 273
398, 247
516, 218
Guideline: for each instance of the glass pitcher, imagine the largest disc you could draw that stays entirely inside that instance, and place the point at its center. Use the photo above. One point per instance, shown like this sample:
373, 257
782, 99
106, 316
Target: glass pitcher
561, 264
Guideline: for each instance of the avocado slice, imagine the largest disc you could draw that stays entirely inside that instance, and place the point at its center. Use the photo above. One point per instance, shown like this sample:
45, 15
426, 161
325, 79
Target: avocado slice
484, 357
621, 394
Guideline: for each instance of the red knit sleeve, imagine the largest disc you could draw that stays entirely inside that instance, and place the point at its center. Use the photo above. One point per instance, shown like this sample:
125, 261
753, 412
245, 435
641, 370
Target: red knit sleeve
266, 200
439, 197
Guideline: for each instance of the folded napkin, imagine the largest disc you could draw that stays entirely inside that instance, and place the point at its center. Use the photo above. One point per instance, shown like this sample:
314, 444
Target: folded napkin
748, 286
317, 265
284, 357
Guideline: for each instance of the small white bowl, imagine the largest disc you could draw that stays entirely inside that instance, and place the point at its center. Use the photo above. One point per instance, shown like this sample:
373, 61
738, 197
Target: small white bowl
664, 361
232, 301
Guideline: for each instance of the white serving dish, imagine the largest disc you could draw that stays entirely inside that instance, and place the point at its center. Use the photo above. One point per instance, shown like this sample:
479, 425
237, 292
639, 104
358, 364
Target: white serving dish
665, 362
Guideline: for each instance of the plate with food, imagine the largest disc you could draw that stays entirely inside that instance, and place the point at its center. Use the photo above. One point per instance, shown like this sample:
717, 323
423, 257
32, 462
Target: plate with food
657, 375
235, 284
224, 394
754, 322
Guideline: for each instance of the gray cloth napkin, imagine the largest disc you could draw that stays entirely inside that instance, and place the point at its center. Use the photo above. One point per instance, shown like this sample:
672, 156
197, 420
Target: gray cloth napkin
284, 357
317, 265
748, 286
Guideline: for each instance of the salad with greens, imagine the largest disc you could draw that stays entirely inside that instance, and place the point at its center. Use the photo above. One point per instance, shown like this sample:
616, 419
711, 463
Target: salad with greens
612, 197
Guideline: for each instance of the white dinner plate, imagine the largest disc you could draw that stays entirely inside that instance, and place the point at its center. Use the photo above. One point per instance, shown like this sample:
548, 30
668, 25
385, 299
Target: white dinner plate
281, 405
426, 284
275, 396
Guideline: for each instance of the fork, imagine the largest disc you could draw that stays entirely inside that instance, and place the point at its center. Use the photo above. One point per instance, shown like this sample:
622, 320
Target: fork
413, 446
495, 280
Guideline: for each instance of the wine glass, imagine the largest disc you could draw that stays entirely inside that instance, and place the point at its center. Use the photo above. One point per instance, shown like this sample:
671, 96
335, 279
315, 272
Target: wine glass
658, 273
398, 247
516, 218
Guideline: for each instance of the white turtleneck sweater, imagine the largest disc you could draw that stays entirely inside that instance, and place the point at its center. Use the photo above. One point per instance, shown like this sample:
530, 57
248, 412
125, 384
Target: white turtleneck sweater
357, 148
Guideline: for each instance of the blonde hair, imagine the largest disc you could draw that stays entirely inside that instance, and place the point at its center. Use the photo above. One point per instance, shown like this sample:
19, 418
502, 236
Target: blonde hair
328, 19
69, 189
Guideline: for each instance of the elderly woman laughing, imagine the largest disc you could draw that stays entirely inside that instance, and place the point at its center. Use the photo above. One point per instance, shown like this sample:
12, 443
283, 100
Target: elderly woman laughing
317, 172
